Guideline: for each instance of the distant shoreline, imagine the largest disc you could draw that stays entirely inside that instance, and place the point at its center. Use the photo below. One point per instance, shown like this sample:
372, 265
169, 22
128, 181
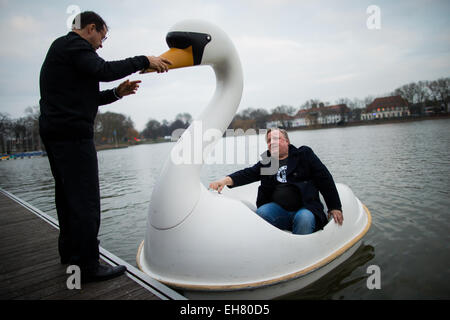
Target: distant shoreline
314, 127
372, 122
111, 146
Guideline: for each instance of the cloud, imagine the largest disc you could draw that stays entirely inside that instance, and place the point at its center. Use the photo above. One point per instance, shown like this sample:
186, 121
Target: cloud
23, 24
23, 37
338, 78
290, 50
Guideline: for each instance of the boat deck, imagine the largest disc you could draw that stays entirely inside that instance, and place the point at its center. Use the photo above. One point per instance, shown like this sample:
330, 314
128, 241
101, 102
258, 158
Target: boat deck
30, 268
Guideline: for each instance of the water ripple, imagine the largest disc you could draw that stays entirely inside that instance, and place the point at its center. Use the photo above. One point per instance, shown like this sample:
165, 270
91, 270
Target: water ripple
401, 172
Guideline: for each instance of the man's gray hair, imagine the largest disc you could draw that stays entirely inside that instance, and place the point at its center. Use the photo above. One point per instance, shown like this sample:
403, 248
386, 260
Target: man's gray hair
284, 132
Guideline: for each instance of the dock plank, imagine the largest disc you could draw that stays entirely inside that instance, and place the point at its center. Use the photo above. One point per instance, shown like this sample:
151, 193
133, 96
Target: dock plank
30, 266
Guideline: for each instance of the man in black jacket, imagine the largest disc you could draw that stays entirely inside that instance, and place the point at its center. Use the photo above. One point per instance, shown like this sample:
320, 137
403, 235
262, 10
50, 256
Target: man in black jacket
289, 197
70, 97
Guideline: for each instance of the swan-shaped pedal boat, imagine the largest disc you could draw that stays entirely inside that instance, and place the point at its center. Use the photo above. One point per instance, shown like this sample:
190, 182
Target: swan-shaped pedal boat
212, 245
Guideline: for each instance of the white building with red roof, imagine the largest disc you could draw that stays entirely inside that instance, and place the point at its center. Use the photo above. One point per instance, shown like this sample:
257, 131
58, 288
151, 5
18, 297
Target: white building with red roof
386, 107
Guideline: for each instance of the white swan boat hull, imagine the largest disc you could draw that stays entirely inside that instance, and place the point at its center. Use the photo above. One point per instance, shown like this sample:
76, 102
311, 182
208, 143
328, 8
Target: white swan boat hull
227, 250
203, 242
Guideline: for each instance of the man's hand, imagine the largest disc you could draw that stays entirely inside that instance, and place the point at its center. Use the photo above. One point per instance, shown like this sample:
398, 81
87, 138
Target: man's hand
220, 184
337, 216
127, 87
157, 64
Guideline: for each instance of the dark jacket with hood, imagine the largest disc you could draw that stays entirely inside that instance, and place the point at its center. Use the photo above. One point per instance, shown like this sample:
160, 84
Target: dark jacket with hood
305, 171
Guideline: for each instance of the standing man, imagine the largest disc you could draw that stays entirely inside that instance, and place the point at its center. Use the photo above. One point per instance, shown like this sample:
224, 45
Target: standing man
289, 199
70, 97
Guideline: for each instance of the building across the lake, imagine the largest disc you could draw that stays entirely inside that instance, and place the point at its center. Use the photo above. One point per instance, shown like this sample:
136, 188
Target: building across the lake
314, 116
333, 114
391, 107
279, 120
386, 107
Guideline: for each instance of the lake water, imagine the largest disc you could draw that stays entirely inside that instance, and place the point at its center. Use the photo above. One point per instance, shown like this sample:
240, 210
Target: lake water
401, 172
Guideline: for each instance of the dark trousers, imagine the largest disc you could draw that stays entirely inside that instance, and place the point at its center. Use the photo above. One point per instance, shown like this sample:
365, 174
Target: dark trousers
77, 195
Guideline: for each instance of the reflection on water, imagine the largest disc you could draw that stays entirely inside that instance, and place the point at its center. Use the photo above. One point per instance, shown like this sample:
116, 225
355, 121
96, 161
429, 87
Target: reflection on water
401, 172
338, 279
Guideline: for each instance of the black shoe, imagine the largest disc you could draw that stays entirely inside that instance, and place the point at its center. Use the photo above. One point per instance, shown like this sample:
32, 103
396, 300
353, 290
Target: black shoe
102, 273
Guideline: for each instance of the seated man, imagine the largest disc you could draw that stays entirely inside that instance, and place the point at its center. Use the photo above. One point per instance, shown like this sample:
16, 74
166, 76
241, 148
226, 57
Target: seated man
288, 197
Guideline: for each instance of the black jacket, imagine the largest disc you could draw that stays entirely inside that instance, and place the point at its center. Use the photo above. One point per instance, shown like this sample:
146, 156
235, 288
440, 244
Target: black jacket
69, 85
306, 172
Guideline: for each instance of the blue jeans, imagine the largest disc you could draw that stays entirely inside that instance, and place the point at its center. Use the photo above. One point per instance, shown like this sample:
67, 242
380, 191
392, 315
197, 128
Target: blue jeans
301, 221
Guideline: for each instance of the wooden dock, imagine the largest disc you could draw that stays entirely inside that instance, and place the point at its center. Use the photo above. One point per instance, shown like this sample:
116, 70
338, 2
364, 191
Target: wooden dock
30, 268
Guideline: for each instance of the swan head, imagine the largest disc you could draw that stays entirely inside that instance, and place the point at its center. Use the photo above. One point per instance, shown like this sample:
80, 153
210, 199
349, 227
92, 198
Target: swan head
196, 42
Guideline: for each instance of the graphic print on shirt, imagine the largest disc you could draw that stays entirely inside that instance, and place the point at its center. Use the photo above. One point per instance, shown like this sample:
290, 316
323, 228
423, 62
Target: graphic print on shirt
281, 174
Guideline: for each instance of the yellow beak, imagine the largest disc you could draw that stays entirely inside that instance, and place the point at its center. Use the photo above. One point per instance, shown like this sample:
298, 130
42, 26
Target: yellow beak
179, 58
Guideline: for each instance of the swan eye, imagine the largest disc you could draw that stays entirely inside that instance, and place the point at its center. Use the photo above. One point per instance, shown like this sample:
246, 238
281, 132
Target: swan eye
182, 40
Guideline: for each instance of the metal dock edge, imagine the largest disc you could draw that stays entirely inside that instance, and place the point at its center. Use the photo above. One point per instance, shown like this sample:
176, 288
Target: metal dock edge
158, 289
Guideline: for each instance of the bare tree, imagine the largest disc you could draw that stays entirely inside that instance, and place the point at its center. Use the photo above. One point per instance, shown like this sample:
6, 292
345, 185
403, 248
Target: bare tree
311, 103
368, 100
439, 89
407, 92
5, 127
153, 129
422, 92
112, 127
352, 104
284, 109
186, 118
32, 122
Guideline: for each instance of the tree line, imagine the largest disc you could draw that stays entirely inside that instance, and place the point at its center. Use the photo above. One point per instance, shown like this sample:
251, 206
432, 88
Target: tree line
418, 94
155, 129
22, 134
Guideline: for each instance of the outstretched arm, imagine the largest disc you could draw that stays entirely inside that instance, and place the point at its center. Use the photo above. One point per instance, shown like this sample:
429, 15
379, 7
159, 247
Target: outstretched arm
86, 59
220, 184
125, 88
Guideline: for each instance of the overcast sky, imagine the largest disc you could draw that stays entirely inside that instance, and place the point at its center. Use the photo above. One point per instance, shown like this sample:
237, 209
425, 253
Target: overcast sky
291, 51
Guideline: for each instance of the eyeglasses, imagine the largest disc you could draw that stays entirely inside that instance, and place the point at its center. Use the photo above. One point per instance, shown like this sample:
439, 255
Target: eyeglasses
104, 38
